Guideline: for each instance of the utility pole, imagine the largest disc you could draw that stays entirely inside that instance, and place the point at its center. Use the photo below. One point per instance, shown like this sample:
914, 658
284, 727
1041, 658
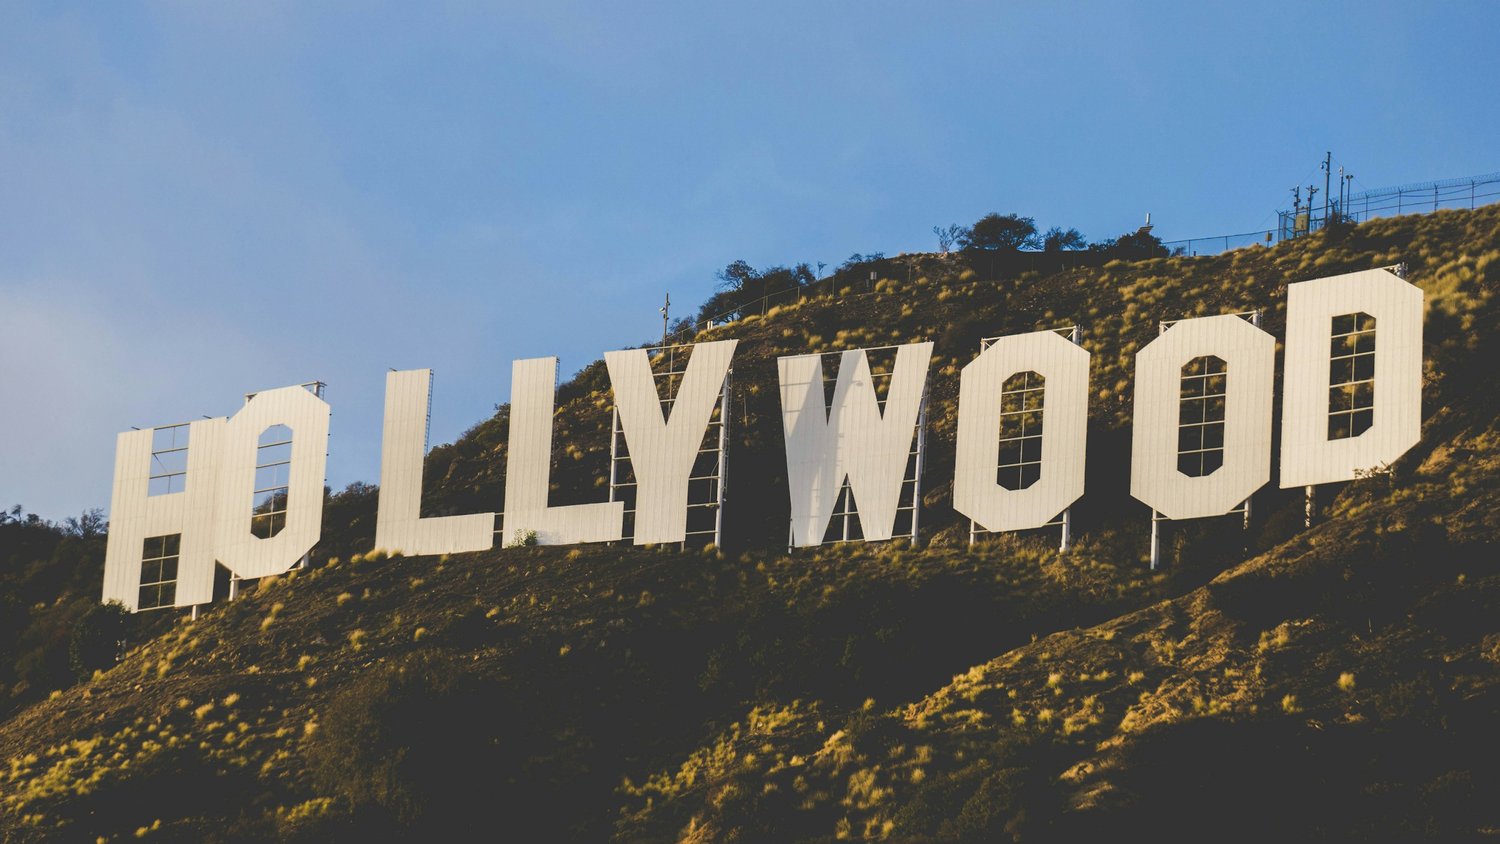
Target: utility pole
1348, 194
1327, 175
1312, 191
665, 309
1342, 206
1296, 199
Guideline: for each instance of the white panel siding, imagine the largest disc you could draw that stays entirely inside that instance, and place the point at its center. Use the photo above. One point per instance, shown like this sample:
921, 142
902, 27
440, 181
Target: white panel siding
1250, 354
136, 515
1307, 455
663, 451
533, 388
853, 439
398, 525
1065, 368
813, 472
238, 549
195, 565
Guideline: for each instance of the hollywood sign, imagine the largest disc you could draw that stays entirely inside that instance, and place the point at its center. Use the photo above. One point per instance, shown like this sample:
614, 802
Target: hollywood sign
246, 492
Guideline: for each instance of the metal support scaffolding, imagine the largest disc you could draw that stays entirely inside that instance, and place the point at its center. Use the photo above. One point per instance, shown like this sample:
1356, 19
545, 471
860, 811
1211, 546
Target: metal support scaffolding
723, 484
921, 458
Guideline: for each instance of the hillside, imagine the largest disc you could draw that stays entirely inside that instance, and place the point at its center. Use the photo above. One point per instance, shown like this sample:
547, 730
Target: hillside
1333, 683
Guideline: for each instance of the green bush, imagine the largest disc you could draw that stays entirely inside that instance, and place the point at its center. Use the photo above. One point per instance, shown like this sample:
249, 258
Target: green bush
98, 640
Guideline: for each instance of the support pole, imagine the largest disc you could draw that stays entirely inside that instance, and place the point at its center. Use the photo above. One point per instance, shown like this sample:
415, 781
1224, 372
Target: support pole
916, 489
1310, 504
1066, 542
195, 612
234, 587
1327, 174
614, 440
848, 494
1255, 321
723, 462
1155, 540
1161, 328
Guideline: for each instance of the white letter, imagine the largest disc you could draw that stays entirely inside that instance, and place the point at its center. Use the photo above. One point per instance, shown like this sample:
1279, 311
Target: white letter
1329, 429
852, 439
528, 470
1202, 439
398, 524
1062, 412
161, 542
240, 480
662, 452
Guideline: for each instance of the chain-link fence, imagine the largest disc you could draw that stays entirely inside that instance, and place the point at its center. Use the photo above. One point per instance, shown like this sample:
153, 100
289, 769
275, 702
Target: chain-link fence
1468, 192
1220, 243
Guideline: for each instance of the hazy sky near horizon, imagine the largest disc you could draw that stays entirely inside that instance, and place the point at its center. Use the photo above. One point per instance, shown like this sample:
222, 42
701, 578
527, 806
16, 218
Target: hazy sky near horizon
203, 199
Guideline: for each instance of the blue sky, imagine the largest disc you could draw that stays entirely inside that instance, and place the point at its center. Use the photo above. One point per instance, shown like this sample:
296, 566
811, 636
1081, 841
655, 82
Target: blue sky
199, 200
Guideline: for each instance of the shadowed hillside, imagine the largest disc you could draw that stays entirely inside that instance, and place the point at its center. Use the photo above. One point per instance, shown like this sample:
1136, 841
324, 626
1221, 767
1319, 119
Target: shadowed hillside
1335, 683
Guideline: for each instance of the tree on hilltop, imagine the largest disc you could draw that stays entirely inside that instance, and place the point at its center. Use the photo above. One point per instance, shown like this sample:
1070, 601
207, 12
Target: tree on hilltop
1134, 246
1008, 233
951, 235
1063, 240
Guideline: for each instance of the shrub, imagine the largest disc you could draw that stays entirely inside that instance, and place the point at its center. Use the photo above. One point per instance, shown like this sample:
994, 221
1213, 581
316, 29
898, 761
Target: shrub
410, 743
98, 641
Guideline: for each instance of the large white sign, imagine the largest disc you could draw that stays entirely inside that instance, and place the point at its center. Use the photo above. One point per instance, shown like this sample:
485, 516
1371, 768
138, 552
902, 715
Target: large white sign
1062, 411
528, 471
247, 492
662, 452
1352, 388
664, 449
1202, 425
851, 439
398, 525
